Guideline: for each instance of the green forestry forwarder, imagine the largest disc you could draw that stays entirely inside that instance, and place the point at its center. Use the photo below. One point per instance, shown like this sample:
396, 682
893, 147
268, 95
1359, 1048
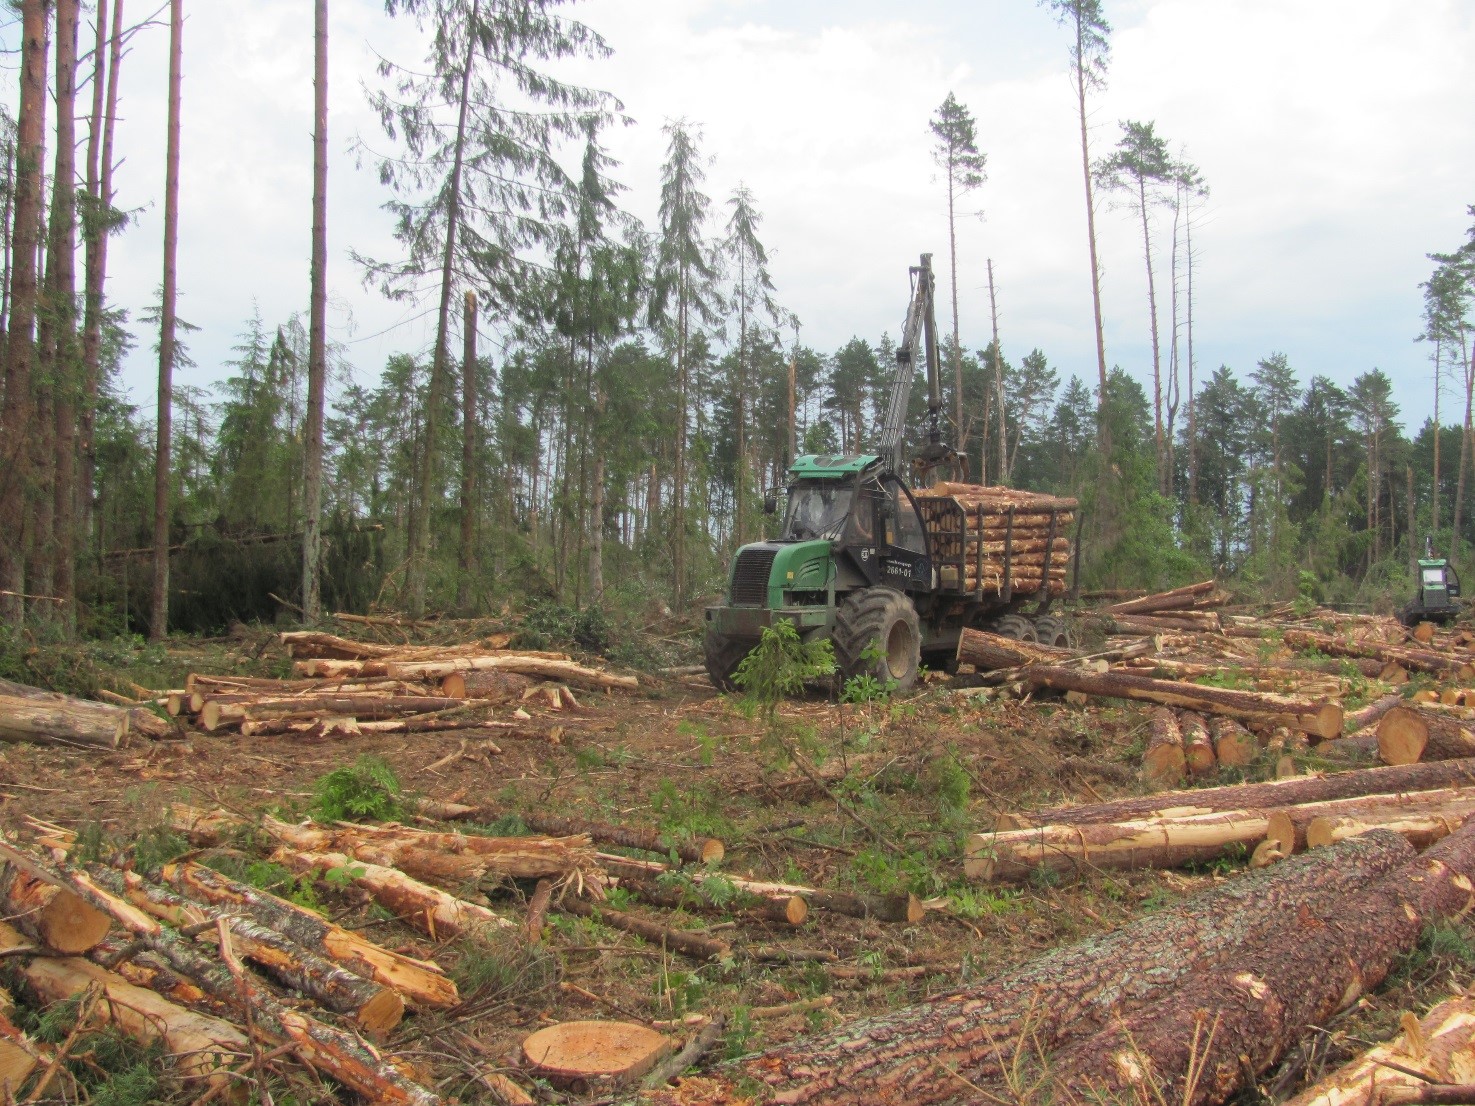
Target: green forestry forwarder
892, 577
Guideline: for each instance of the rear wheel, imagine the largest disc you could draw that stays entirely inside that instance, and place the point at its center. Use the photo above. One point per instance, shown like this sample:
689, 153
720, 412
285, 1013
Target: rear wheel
877, 634
1015, 626
723, 655
1052, 630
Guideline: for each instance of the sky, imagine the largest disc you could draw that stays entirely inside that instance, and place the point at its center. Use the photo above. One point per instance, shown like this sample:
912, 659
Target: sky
1335, 140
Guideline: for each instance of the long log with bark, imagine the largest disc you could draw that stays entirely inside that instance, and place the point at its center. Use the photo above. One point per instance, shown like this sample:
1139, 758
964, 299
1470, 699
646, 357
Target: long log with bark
313, 643
1255, 796
421, 983
52, 916
217, 714
1183, 597
1415, 660
916, 1055
1315, 963
1410, 734
565, 671
61, 720
985, 650
1324, 719
1072, 850
1288, 825
1440, 1048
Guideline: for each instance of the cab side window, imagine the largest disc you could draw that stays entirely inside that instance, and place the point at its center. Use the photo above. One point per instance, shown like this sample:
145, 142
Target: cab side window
903, 526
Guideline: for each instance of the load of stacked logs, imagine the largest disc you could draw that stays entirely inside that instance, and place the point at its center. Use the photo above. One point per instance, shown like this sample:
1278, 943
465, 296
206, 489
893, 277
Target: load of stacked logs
997, 539
338, 688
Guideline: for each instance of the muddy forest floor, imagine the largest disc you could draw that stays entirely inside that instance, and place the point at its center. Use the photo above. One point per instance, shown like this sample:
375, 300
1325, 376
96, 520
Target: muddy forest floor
923, 771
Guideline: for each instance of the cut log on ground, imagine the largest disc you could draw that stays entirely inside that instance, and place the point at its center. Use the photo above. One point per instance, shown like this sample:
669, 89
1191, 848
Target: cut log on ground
74, 723
428, 908
1314, 964
1164, 764
1074, 850
1234, 746
696, 945
1415, 660
791, 911
494, 687
421, 983
1410, 734
984, 650
1178, 598
1256, 796
565, 671
1324, 719
1288, 825
1421, 828
1198, 746
1441, 1047
53, 917
915, 1055
1366, 716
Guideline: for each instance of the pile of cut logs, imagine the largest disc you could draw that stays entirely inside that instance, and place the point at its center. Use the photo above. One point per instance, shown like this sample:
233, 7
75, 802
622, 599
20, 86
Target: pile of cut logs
998, 537
339, 687
1228, 690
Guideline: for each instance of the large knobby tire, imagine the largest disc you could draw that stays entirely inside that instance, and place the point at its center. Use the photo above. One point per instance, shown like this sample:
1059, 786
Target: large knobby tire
1015, 626
723, 654
1053, 630
877, 634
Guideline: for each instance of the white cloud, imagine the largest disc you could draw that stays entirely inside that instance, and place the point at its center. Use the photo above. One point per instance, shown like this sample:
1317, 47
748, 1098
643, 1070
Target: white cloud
1334, 139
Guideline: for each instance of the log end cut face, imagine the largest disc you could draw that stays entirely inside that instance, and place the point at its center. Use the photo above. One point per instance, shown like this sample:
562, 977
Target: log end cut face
588, 1052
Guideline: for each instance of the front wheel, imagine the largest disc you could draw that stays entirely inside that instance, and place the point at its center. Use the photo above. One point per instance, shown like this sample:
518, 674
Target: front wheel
723, 654
877, 634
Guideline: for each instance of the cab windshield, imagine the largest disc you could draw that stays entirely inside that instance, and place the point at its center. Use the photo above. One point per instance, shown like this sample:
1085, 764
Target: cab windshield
817, 511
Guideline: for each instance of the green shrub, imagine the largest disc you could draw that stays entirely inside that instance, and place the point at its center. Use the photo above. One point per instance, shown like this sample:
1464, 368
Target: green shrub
366, 790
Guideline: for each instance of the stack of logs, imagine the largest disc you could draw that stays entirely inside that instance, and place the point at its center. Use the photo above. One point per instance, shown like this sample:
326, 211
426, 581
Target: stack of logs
346, 687
989, 521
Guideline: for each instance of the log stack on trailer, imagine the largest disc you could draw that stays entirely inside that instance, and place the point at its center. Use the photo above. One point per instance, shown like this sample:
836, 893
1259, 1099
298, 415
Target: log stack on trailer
998, 541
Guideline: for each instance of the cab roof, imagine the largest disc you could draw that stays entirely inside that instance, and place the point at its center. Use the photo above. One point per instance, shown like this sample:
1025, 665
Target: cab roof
832, 465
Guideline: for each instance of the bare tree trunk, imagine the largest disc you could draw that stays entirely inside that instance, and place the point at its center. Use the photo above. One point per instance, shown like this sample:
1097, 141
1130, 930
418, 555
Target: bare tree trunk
159, 610
1103, 431
466, 559
317, 329
418, 554
100, 189
959, 432
596, 514
1172, 391
1468, 365
678, 505
1192, 398
1157, 361
993, 311
61, 280
40, 504
20, 343
1438, 428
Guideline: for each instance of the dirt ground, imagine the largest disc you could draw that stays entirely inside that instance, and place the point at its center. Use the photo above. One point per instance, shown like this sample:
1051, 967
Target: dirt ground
906, 781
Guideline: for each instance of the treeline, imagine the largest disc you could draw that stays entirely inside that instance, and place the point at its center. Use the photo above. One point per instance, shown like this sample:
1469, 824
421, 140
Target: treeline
604, 402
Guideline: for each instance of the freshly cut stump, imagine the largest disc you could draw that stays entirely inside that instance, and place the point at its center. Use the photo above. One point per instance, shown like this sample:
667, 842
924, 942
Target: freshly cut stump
581, 1054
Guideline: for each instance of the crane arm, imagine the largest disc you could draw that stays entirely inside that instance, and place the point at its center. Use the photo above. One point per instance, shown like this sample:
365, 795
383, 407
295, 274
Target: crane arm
918, 336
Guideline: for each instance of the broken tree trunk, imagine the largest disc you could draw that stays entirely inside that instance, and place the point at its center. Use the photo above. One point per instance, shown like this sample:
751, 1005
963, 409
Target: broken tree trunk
1256, 796
915, 1055
1315, 963
61, 720
984, 650
696, 945
422, 983
1164, 761
437, 912
1410, 734
1324, 719
1072, 850
1440, 1046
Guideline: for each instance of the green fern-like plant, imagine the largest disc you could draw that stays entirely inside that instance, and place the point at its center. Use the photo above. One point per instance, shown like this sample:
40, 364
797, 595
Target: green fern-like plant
781, 665
366, 790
